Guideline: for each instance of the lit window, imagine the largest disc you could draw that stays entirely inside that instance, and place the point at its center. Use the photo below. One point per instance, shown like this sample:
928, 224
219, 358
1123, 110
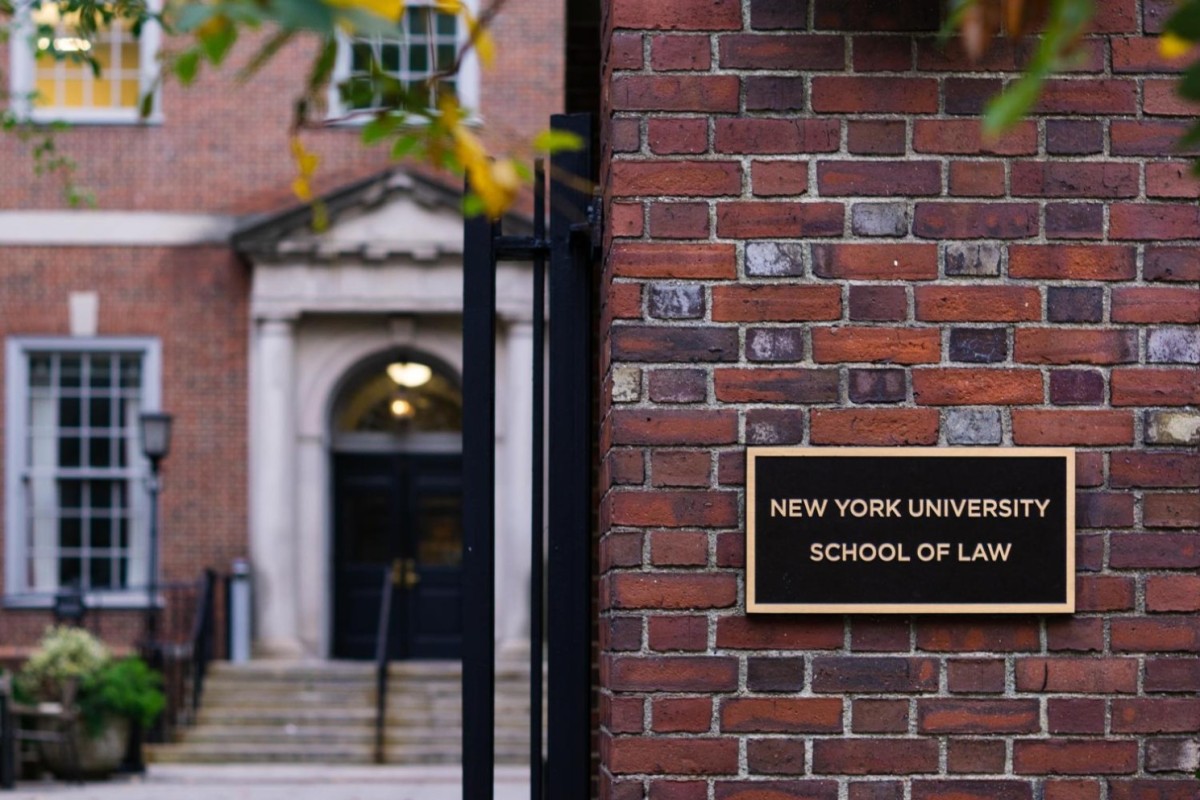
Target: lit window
58, 75
76, 504
428, 44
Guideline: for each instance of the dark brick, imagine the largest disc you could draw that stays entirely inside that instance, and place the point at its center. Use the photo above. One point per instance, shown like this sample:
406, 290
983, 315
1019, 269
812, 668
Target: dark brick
877, 386
969, 95
775, 14
1074, 304
678, 385
978, 345
1076, 387
774, 674
876, 137
773, 426
775, 344
1074, 220
774, 93
676, 302
1069, 137
878, 303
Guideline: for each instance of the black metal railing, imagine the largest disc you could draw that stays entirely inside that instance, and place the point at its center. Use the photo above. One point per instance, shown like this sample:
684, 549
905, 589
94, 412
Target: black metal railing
383, 657
183, 649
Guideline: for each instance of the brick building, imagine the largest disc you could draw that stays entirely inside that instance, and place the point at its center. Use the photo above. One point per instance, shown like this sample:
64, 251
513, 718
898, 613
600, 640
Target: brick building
197, 287
809, 243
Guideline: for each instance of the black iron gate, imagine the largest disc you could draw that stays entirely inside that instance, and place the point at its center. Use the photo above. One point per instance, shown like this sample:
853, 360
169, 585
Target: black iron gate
567, 246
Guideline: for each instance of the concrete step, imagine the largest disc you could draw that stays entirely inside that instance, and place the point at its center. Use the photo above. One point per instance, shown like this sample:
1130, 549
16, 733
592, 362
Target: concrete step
339, 735
241, 754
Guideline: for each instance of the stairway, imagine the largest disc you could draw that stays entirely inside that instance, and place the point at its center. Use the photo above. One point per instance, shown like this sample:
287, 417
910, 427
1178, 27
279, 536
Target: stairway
324, 712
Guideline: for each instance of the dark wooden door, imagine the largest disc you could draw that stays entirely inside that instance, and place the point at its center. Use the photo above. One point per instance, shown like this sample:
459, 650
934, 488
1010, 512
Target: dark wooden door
398, 515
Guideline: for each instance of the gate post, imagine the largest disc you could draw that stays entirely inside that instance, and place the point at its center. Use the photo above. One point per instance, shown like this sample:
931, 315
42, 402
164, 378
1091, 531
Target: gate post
570, 490
479, 513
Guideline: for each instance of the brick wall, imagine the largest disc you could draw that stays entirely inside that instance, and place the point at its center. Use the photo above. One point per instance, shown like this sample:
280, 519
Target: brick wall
810, 243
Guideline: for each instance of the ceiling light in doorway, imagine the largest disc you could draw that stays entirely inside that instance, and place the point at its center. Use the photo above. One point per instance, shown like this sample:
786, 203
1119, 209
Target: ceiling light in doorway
402, 408
409, 374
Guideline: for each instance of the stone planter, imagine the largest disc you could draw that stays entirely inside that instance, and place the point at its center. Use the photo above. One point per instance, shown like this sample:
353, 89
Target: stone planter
83, 756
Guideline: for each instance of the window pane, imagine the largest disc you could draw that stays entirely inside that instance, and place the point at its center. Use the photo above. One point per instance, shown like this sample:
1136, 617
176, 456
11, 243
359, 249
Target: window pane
39, 371
69, 571
101, 533
100, 452
131, 372
100, 573
447, 25
69, 452
70, 533
70, 412
70, 368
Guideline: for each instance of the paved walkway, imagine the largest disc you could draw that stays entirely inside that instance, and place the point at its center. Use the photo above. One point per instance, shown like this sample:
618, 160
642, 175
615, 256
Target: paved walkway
279, 782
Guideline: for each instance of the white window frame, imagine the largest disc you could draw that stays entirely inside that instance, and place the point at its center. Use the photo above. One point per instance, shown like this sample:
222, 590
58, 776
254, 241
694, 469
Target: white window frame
18, 351
22, 58
467, 79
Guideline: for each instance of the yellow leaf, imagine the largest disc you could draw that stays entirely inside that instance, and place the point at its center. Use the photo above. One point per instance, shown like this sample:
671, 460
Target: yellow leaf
302, 189
484, 45
1172, 46
497, 184
387, 9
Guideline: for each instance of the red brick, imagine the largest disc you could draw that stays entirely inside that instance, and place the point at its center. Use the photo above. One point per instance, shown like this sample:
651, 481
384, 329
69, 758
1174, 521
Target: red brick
875, 137
1171, 510
879, 716
976, 179
688, 633
1155, 551
976, 636
978, 303
1173, 593
776, 790
1158, 715
776, 385
760, 220
655, 260
1154, 222
1071, 790
1074, 427
679, 509
879, 178
672, 674
774, 757
1076, 634
668, 790
676, 178
679, 548
671, 590
680, 53
622, 714
1071, 757
938, 716
966, 386
679, 468
874, 756
693, 15
1146, 137
779, 136
1103, 510
1144, 789
874, 675
878, 634
1172, 675
965, 137
670, 343
776, 303
1161, 98
1075, 346
1155, 304
673, 427
882, 54
672, 756
838, 94
625, 51
714, 93
1134, 468
1075, 715
975, 676
1072, 262
1171, 180
782, 52
888, 345
892, 262
625, 467
1135, 54
1088, 96
1077, 676
681, 714
677, 135
627, 219
878, 303
1155, 387
975, 220
781, 715
1104, 593
779, 178
1089, 469
678, 220
1116, 16
1158, 635
970, 756
757, 633
874, 426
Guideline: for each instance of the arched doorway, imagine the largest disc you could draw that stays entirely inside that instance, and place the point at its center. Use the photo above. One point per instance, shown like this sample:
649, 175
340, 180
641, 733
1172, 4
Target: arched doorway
397, 506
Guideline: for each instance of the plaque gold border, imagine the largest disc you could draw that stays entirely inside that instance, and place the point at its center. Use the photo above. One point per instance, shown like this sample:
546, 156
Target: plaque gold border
755, 607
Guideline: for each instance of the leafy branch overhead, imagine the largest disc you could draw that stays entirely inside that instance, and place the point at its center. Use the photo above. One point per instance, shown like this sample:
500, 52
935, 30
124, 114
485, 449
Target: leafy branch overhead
1061, 25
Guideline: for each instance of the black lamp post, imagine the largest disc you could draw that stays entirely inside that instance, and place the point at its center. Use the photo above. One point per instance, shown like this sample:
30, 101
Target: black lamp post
155, 430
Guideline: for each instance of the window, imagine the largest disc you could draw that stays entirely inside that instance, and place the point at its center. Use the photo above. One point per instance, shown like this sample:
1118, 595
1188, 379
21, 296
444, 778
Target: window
76, 504
52, 75
429, 43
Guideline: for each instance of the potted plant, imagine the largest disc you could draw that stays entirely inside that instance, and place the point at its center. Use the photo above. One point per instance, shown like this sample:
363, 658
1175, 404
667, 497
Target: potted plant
97, 696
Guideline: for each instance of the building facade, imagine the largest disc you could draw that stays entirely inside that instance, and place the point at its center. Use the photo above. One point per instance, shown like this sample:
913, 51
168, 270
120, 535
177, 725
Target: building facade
197, 287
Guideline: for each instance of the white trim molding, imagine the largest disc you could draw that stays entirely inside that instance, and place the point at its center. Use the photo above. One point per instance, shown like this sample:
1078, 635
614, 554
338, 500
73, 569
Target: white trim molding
114, 228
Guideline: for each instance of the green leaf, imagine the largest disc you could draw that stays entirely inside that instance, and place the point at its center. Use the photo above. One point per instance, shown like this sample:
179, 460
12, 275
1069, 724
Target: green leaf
323, 65
1185, 21
218, 43
1189, 84
472, 206
311, 15
554, 141
186, 65
192, 16
405, 145
1007, 108
378, 129
146, 107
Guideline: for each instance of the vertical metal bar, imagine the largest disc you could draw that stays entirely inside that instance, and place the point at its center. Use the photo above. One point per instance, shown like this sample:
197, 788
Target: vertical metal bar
479, 515
8, 739
570, 491
538, 478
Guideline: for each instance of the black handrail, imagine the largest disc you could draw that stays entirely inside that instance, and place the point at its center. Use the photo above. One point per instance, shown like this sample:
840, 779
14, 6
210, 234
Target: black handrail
203, 626
383, 655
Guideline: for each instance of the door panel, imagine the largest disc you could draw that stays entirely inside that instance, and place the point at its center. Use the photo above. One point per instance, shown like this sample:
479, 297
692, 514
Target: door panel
403, 510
